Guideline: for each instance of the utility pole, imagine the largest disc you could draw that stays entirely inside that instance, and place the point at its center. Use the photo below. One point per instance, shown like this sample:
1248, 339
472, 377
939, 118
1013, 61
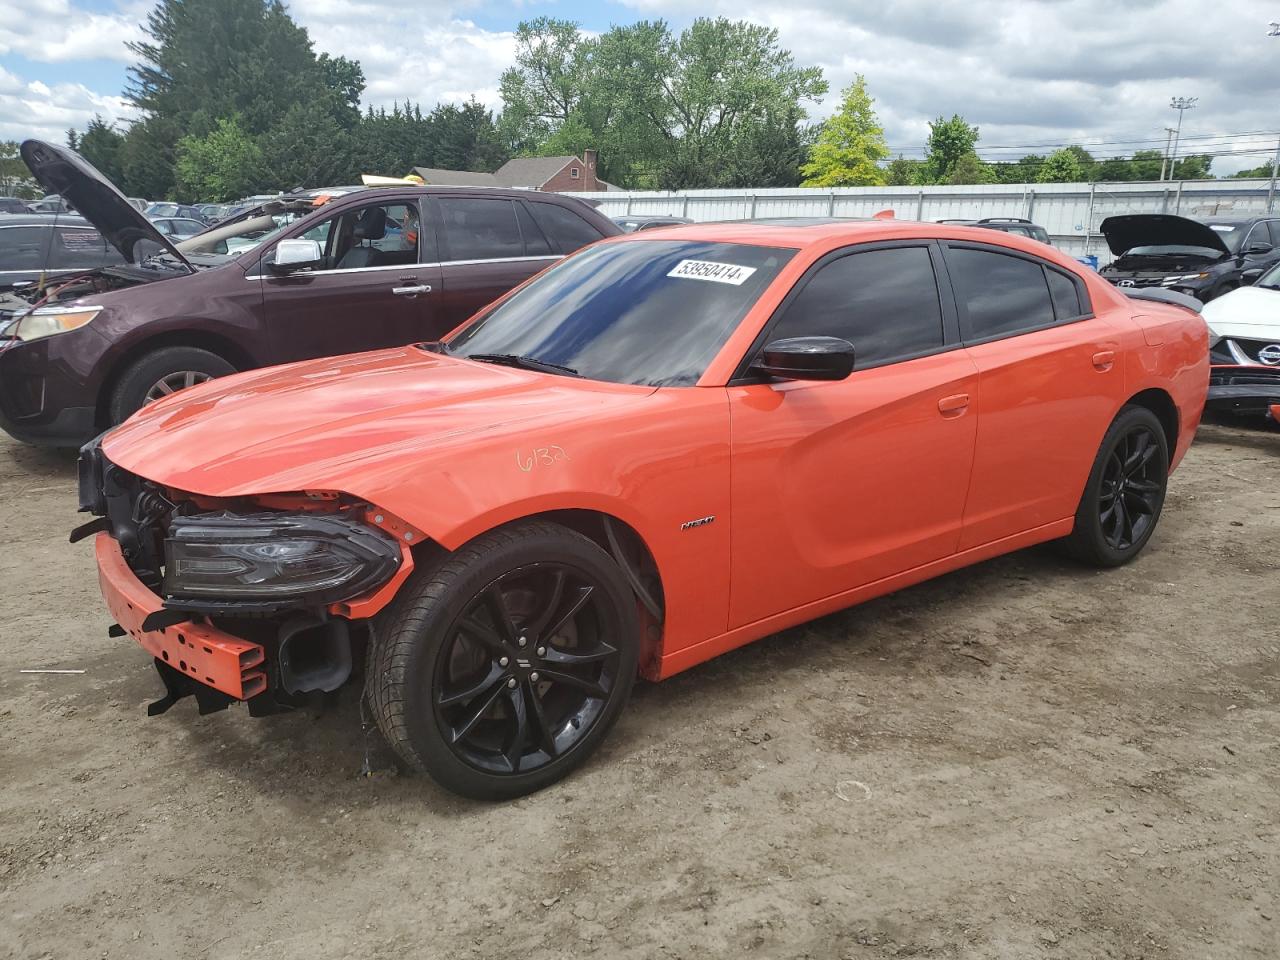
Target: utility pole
1275, 168
1164, 160
1181, 104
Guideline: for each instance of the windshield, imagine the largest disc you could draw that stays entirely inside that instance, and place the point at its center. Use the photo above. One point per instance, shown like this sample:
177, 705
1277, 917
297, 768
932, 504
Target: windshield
649, 312
162, 210
1230, 234
1271, 279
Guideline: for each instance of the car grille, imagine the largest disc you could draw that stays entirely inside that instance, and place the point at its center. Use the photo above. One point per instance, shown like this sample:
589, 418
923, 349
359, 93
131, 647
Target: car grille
1240, 351
1132, 282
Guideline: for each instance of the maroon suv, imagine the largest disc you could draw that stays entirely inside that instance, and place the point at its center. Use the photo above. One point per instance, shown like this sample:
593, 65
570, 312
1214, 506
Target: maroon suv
363, 269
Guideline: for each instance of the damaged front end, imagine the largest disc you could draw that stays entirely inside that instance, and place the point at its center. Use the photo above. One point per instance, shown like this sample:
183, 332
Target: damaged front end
264, 600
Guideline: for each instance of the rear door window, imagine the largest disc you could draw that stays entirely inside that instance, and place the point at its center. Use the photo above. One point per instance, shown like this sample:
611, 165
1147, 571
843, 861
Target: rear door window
998, 295
81, 248
24, 248
536, 243
1065, 295
566, 229
1274, 227
480, 229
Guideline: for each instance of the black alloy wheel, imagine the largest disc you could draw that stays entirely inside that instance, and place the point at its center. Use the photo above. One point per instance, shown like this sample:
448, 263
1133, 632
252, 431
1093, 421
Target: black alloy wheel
528, 668
1132, 491
502, 666
1125, 492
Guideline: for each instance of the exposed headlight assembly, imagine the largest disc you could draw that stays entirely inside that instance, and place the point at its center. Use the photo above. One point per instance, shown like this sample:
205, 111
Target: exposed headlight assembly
47, 321
260, 562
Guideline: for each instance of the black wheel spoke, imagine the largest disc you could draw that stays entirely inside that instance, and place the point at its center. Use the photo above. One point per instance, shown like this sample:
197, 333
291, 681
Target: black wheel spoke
482, 633
575, 605
497, 607
591, 688
555, 594
572, 658
481, 686
1136, 503
513, 750
473, 716
546, 736
1144, 487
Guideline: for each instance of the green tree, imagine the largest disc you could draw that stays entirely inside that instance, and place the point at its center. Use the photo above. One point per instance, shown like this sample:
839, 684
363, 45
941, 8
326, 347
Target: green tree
1194, 167
224, 164
15, 178
970, 169
101, 144
1262, 170
949, 141
902, 172
1019, 171
1061, 166
850, 146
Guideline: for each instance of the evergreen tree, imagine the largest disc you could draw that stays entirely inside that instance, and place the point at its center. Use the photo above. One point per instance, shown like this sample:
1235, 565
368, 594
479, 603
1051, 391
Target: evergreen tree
850, 146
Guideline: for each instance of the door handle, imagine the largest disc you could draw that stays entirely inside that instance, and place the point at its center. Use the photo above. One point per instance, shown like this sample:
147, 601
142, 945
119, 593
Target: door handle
954, 405
1104, 360
411, 291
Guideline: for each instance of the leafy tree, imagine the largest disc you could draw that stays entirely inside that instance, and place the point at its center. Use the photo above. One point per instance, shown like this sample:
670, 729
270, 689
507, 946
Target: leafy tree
466, 138
1194, 167
15, 178
1020, 171
969, 169
73, 139
1085, 159
949, 141
850, 145
1061, 166
1262, 170
224, 164
902, 172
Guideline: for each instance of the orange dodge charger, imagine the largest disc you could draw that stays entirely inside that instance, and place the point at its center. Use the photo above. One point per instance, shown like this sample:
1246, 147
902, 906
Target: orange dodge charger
662, 448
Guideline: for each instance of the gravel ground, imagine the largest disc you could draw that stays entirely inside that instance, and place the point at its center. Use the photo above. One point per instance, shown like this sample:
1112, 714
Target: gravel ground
1025, 759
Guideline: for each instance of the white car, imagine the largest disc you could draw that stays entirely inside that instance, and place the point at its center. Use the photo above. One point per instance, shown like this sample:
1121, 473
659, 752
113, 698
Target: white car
1244, 348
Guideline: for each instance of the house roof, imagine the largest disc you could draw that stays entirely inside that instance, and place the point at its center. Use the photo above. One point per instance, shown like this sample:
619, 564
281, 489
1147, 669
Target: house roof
456, 178
531, 171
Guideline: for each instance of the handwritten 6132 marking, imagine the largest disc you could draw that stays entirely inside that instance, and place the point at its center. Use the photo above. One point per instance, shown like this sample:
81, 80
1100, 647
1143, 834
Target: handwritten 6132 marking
540, 457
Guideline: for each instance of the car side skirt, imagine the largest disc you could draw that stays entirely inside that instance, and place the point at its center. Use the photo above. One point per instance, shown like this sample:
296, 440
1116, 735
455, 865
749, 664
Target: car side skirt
673, 663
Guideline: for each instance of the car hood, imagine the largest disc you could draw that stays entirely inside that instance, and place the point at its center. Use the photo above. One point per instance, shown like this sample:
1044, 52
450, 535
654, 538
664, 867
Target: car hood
354, 424
1250, 312
64, 172
1157, 230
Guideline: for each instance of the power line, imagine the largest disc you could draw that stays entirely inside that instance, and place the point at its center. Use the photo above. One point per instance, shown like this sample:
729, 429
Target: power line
1087, 142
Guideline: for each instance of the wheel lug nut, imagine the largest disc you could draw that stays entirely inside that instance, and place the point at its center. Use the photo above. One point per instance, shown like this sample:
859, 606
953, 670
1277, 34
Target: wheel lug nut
534, 676
503, 662
542, 651
512, 683
522, 641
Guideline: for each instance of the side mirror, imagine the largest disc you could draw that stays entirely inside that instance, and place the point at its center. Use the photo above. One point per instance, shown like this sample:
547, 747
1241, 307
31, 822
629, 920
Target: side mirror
1259, 246
806, 358
294, 255
1250, 276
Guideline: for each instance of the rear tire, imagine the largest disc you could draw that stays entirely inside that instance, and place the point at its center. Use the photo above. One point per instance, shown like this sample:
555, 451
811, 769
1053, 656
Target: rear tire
1125, 492
458, 695
171, 366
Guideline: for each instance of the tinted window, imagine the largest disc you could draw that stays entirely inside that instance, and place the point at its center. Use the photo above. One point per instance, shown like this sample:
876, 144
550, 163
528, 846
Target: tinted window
884, 302
1066, 297
1003, 294
1259, 234
1274, 226
651, 312
536, 243
478, 229
565, 228
24, 248
81, 248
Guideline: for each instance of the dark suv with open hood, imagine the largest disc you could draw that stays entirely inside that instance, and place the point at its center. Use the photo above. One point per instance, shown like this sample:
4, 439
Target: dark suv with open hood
306, 276
1203, 258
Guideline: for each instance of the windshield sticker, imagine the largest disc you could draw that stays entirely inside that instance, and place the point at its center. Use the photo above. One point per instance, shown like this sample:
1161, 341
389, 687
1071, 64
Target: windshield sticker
715, 272
1221, 228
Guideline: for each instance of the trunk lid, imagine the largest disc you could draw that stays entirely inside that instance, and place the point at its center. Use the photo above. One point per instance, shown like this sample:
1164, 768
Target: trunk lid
64, 172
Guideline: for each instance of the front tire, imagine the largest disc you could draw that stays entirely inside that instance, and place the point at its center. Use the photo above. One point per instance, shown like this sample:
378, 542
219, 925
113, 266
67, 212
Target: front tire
500, 670
160, 373
1125, 492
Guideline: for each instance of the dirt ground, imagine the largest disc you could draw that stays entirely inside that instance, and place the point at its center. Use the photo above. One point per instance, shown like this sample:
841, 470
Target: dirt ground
1025, 759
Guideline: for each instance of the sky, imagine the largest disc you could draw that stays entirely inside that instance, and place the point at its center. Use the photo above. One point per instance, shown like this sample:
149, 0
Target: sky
1031, 74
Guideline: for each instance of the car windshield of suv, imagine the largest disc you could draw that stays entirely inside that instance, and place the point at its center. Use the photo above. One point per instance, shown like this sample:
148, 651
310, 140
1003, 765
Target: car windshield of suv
1270, 280
649, 312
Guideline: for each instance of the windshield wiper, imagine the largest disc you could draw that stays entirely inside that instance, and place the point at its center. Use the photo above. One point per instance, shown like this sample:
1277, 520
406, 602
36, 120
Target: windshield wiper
523, 363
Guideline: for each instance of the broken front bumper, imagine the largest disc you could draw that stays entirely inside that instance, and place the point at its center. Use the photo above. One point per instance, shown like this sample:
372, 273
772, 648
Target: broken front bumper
1249, 390
197, 651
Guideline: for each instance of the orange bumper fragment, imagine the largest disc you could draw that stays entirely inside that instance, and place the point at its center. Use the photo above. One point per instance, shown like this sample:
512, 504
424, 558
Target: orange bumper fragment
202, 652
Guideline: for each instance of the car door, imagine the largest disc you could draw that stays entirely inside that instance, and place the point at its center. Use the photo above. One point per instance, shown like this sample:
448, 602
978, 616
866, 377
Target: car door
1050, 378
378, 284
488, 245
839, 484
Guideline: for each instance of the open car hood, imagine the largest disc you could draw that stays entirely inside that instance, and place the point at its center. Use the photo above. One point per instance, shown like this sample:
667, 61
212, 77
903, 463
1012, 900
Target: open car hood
1158, 230
93, 196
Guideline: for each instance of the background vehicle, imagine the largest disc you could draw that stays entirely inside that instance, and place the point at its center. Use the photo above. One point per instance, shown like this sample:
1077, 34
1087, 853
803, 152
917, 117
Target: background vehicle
650, 454
179, 227
49, 204
348, 276
633, 224
1244, 330
35, 246
13, 205
1202, 258
166, 209
1018, 226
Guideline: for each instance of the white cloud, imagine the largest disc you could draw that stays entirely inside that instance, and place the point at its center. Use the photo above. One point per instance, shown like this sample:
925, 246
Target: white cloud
34, 109
55, 31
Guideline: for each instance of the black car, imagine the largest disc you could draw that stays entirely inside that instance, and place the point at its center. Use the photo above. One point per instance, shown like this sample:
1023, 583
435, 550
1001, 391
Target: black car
1020, 226
13, 205
179, 227
36, 245
634, 224
1204, 258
